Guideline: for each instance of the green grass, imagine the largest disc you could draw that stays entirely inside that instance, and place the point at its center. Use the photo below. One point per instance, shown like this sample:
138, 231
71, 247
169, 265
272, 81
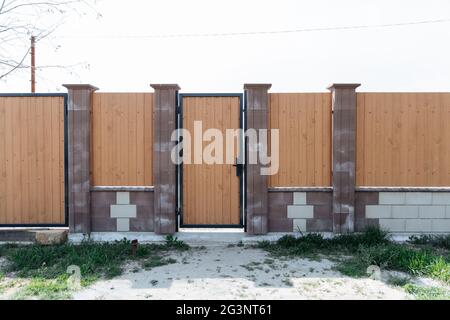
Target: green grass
427, 293
441, 241
47, 265
371, 247
45, 289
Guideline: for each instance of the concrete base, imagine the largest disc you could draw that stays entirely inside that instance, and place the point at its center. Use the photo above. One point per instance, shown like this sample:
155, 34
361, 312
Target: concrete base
205, 238
191, 238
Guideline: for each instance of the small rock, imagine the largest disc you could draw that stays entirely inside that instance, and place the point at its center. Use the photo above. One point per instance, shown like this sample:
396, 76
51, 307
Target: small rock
51, 237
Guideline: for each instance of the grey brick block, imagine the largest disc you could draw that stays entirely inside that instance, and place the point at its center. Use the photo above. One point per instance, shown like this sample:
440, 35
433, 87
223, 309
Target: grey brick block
123, 225
418, 198
441, 198
418, 225
447, 212
402, 212
392, 198
299, 197
374, 212
440, 225
429, 212
122, 198
299, 224
393, 225
123, 211
300, 212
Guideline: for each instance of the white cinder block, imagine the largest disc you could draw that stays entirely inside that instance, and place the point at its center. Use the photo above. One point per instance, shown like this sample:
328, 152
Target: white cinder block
299, 225
418, 225
374, 212
122, 198
392, 198
300, 212
447, 212
405, 212
429, 212
299, 197
123, 211
440, 225
418, 198
393, 225
441, 198
123, 225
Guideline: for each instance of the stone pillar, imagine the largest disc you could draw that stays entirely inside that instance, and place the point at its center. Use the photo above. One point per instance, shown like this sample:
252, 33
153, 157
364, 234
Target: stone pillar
164, 170
344, 156
257, 111
79, 141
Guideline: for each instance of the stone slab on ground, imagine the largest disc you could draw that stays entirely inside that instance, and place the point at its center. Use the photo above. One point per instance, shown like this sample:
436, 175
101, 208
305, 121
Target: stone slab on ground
51, 237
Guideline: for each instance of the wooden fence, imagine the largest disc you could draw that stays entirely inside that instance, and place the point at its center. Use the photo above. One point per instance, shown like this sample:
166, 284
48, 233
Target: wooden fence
32, 157
304, 123
403, 139
122, 139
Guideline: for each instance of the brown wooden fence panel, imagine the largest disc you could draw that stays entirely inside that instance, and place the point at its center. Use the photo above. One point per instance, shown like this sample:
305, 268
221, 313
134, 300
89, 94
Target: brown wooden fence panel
122, 141
304, 121
403, 139
32, 160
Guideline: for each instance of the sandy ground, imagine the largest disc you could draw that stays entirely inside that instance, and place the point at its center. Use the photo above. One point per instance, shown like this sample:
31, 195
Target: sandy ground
238, 273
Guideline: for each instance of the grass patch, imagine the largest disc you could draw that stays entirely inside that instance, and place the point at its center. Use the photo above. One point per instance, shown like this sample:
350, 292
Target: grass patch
427, 293
371, 247
45, 289
47, 265
438, 241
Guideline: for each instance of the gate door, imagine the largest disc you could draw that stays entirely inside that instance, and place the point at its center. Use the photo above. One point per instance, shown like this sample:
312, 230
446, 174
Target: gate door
211, 194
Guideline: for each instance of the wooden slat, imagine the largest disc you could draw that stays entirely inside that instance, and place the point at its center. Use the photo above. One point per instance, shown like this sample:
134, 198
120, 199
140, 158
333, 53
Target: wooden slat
32, 160
403, 138
304, 123
122, 140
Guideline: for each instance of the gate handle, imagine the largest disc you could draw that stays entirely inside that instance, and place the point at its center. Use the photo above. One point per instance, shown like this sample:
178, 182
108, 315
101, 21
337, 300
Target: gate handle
238, 167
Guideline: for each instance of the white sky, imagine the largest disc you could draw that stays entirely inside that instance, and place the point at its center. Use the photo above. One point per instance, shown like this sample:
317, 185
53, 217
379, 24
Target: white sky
406, 58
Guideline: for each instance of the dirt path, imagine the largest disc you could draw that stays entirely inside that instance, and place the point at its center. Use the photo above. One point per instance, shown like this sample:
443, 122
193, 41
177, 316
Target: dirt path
238, 273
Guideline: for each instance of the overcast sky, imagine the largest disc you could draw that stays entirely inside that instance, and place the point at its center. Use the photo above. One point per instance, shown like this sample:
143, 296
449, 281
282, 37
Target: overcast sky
404, 58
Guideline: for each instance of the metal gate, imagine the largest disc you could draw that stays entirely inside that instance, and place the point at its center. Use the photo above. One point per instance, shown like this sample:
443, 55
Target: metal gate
211, 195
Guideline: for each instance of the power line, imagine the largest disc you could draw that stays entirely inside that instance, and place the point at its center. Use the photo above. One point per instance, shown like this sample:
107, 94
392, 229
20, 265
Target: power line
250, 33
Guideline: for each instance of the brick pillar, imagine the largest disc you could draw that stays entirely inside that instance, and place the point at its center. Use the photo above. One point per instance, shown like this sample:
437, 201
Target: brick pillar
344, 156
79, 141
257, 111
164, 170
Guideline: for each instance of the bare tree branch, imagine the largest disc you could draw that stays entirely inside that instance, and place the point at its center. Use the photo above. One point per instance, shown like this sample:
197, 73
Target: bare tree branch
19, 19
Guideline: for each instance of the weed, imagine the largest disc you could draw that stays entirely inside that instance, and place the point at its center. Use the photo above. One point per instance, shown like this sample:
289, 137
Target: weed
427, 293
156, 261
173, 243
372, 247
45, 289
398, 281
46, 265
438, 241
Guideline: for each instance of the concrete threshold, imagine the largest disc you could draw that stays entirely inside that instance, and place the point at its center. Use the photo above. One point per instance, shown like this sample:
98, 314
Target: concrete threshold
192, 238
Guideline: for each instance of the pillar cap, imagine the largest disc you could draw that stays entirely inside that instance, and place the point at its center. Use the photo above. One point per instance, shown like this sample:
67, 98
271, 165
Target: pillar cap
266, 86
344, 86
166, 86
80, 87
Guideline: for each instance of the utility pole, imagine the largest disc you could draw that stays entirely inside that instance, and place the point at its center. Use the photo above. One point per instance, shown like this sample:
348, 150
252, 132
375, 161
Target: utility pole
33, 65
